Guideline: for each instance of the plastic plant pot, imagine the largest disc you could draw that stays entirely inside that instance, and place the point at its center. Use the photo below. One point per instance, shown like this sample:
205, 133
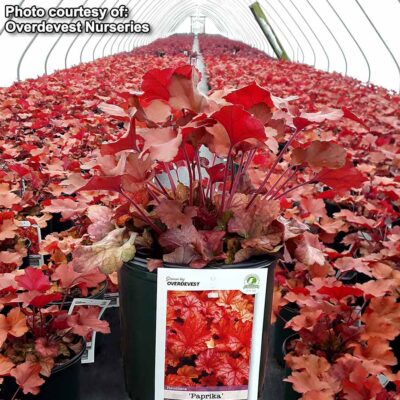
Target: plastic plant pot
99, 295
281, 333
63, 383
289, 393
138, 304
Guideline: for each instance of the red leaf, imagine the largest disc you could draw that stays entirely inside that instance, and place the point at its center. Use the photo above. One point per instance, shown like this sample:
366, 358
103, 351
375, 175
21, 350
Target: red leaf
87, 320
320, 154
300, 123
19, 169
155, 84
207, 360
110, 183
115, 111
13, 324
153, 264
47, 348
239, 124
162, 143
27, 377
44, 299
342, 179
216, 172
338, 292
348, 114
33, 279
127, 142
185, 255
171, 214
250, 95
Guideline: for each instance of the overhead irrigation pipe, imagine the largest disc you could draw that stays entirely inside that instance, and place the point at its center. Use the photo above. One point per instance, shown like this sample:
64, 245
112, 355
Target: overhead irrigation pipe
290, 31
212, 12
277, 28
333, 36
249, 14
268, 31
312, 31
380, 37
56, 42
145, 16
301, 30
29, 45
354, 39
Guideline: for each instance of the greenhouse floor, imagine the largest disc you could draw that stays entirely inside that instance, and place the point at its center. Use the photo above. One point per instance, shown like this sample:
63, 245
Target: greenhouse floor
104, 380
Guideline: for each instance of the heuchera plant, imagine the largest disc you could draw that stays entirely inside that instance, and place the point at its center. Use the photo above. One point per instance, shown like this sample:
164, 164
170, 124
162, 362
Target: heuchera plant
343, 344
36, 336
204, 179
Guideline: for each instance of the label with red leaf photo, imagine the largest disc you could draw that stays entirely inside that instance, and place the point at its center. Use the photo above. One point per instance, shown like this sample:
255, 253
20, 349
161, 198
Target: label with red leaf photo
209, 333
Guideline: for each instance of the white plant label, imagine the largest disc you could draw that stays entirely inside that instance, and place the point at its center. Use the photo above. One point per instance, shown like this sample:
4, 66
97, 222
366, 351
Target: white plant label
209, 333
88, 355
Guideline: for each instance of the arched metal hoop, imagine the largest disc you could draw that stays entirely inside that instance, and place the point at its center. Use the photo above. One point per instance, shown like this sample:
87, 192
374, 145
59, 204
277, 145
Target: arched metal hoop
381, 38
354, 39
29, 46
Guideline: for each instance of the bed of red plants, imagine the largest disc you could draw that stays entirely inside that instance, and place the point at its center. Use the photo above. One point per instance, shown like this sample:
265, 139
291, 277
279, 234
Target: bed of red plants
346, 290
342, 275
49, 128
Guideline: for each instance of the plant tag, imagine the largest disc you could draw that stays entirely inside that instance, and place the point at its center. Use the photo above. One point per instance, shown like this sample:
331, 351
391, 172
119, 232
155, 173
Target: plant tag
88, 355
114, 299
24, 224
209, 333
35, 260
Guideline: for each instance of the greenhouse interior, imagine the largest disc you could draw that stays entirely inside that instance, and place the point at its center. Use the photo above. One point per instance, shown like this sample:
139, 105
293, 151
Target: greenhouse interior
200, 199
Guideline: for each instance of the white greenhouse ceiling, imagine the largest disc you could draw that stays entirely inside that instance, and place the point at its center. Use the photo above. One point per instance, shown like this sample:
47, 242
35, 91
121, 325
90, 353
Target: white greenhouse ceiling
358, 38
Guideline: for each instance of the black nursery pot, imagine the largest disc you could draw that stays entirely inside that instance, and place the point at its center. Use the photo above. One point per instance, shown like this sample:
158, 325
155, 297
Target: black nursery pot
98, 296
289, 393
281, 333
63, 383
138, 305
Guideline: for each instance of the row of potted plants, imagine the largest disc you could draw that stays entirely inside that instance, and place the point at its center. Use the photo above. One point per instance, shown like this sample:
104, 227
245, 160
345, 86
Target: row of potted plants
341, 301
288, 176
51, 126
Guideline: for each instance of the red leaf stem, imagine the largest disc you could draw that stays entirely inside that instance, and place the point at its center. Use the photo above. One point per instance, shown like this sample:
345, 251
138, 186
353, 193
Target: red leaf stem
143, 216
170, 178
272, 169
190, 175
228, 160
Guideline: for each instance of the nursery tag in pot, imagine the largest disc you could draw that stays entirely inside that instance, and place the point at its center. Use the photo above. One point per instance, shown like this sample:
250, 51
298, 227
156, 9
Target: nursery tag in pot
209, 333
88, 356
35, 260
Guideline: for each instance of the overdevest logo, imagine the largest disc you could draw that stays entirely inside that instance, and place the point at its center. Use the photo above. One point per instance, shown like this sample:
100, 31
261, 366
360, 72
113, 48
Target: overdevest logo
251, 284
